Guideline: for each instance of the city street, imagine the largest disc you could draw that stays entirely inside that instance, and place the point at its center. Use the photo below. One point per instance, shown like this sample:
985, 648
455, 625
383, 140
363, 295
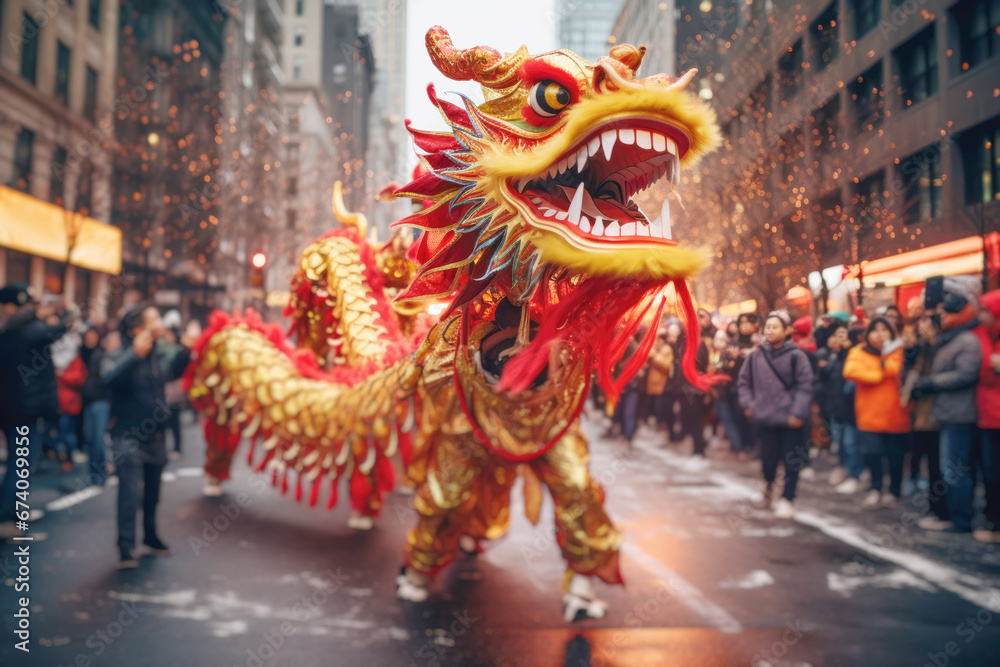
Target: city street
258, 580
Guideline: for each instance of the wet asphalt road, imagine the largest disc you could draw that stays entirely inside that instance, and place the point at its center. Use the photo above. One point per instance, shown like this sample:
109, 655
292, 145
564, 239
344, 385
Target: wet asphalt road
258, 580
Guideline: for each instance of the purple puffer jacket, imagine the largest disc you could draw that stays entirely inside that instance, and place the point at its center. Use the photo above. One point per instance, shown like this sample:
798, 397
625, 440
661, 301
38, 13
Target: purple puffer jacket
772, 399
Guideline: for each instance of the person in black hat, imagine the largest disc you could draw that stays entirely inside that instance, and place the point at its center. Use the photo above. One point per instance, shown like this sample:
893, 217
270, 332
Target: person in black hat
28, 393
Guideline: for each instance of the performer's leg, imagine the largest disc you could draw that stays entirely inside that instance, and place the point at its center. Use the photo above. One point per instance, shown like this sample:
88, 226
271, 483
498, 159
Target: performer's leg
456, 479
588, 541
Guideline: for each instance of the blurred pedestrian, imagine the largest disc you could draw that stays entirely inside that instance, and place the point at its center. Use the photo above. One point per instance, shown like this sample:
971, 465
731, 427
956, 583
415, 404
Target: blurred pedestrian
883, 423
988, 405
70, 379
28, 393
955, 368
136, 373
775, 390
96, 402
918, 336
838, 398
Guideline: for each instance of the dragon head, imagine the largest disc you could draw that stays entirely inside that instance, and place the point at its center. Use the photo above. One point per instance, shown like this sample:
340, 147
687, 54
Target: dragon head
535, 186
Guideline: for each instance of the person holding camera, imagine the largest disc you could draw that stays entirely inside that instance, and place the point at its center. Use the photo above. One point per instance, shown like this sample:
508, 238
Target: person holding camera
137, 373
955, 367
28, 394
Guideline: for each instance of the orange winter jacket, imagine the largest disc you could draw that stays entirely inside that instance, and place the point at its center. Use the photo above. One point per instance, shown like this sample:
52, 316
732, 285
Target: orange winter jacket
876, 396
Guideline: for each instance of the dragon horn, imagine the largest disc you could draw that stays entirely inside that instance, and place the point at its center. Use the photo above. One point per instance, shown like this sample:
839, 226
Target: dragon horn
347, 218
481, 64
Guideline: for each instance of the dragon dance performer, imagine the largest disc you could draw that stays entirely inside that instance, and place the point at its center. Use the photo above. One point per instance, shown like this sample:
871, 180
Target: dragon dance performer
550, 267
342, 315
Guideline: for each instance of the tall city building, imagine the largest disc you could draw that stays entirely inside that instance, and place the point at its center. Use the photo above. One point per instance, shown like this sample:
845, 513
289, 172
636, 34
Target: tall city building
57, 98
168, 148
585, 25
856, 132
652, 24
255, 123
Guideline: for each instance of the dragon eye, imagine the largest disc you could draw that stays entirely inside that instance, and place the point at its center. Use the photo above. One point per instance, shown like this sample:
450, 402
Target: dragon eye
547, 98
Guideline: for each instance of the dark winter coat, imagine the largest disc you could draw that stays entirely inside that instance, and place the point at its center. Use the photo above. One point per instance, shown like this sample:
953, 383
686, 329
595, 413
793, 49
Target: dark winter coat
838, 396
138, 404
958, 357
774, 395
27, 376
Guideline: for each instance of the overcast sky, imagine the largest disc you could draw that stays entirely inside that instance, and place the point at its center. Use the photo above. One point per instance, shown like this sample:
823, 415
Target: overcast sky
501, 24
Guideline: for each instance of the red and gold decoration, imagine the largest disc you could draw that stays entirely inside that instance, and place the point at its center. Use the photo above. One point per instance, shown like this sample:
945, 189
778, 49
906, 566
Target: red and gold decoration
531, 235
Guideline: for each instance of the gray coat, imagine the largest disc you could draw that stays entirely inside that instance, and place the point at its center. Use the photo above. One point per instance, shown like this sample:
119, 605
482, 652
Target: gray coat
763, 392
953, 377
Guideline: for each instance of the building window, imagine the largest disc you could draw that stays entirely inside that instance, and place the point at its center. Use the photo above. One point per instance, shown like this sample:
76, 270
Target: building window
792, 151
867, 14
18, 267
916, 62
299, 7
866, 92
62, 73
923, 185
293, 185
21, 178
290, 219
300, 35
981, 161
869, 192
57, 176
978, 30
94, 13
298, 62
825, 122
790, 70
85, 189
90, 95
29, 48
824, 33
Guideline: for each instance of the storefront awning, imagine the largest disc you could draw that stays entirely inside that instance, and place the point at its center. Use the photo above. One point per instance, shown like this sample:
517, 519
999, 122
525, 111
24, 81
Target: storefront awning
40, 228
962, 256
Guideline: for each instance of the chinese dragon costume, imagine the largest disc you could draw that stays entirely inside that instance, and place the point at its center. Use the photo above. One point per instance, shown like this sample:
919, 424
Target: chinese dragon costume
531, 235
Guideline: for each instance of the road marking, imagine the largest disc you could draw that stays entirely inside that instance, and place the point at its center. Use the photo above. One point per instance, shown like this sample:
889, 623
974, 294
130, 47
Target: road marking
970, 588
74, 498
756, 579
687, 593
846, 584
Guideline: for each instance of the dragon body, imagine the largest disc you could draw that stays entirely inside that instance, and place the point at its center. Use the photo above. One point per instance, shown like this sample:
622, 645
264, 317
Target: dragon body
531, 234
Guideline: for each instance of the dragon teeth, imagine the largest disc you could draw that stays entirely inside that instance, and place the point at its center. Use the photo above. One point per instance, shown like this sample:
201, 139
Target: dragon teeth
659, 142
598, 229
671, 146
553, 171
643, 139
656, 229
581, 159
585, 224
608, 139
628, 229
593, 145
627, 137
576, 205
665, 219
612, 228
642, 230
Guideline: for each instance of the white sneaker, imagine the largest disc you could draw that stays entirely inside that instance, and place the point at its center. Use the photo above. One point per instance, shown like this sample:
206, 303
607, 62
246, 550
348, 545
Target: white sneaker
79, 457
579, 601
360, 522
212, 487
849, 486
807, 474
872, 500
111, 481
933, 523
412, 586
890, 501
468, 545
784, 509
837, 476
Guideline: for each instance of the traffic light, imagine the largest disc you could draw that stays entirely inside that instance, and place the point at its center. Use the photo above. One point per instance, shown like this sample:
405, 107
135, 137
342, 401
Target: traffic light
257, 263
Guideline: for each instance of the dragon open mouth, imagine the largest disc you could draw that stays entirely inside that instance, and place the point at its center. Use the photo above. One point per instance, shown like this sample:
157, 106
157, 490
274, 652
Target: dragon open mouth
589, 189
